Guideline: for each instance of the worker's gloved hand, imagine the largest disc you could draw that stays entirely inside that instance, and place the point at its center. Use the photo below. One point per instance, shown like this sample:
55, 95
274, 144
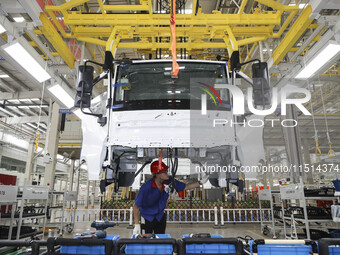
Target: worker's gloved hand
136, 230
205, 178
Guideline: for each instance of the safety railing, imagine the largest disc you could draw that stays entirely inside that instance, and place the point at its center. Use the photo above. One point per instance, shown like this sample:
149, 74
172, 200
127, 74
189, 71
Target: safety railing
192, 215
89, 215
217, 216
249, 215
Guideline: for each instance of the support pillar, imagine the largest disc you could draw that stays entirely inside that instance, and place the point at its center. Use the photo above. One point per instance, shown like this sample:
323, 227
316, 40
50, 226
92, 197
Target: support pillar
52, 147
77, 185
292, 140
92, 191
69, 186
29, 162
87, 194
308, 176
61, 185
71, 176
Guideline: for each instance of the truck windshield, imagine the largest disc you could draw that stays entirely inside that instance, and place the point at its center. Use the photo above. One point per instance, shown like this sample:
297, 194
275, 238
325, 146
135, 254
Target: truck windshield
148, 85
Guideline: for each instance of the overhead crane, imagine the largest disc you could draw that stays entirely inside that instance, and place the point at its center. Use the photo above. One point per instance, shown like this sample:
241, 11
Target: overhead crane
141, 31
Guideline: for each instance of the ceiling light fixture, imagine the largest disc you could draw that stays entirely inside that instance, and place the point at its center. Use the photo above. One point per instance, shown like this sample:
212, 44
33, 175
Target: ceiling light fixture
23, 58
19, 19
321, 61
301, 6
62, 95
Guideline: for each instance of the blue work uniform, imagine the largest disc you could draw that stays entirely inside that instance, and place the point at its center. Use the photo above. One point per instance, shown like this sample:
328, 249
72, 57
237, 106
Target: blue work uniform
151, 201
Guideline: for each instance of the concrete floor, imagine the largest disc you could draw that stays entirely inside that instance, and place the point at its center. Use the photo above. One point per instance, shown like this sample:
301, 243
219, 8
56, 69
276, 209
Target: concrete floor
177, 230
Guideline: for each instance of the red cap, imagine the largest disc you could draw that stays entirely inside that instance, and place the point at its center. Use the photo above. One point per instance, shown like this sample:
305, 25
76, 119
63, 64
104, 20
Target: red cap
157, 168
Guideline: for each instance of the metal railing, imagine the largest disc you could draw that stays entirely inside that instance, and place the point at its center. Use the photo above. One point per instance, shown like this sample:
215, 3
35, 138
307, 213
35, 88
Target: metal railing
249, 215
89, 215
192, 215
217, 216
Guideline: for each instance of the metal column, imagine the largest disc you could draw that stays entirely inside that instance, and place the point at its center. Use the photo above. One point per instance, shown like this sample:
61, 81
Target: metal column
71, 175
87, 194
292, 140
29, 162
308, 176
71, 179
52, 148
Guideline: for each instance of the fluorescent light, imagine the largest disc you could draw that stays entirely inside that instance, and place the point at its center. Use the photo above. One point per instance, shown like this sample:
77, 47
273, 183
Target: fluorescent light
19, 19
2, 29
20, 55
15, 141
62, 95
301, 6
319, 61
4, 76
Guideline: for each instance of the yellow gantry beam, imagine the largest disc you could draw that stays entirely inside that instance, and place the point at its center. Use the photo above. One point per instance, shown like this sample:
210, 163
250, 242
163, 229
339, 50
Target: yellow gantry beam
56, 40
243, 4
277, 5
294, 33
92, 40
201, 30
167, 45
125, 8
76, 18
66, 6
232, 39
83, 31
285, 24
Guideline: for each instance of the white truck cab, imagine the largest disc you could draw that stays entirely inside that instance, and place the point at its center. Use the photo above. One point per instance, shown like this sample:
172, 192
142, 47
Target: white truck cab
189, 117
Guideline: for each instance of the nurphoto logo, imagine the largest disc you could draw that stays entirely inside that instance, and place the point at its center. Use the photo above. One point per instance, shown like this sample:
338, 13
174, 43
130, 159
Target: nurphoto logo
238, 99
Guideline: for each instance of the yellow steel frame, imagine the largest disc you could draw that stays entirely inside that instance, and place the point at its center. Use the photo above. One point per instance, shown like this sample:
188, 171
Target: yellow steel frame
56, 40
295, 32
203, 31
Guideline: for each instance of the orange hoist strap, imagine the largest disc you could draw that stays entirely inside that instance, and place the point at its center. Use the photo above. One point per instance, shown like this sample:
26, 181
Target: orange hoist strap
175, 66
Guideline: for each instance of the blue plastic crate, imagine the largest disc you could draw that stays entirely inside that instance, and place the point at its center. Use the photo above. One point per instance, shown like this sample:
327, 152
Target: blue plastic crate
210, 248
150, 248
279, 249
85, 249
334, 250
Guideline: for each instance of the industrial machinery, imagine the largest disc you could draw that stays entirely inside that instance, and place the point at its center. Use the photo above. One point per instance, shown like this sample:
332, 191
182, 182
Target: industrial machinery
191, 117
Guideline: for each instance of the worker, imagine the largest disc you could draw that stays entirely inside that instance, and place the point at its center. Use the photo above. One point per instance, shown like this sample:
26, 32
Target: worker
153, 196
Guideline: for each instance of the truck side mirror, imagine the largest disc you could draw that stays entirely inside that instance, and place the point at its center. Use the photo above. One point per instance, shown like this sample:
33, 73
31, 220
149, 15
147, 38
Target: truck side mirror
84, 87
261, 85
